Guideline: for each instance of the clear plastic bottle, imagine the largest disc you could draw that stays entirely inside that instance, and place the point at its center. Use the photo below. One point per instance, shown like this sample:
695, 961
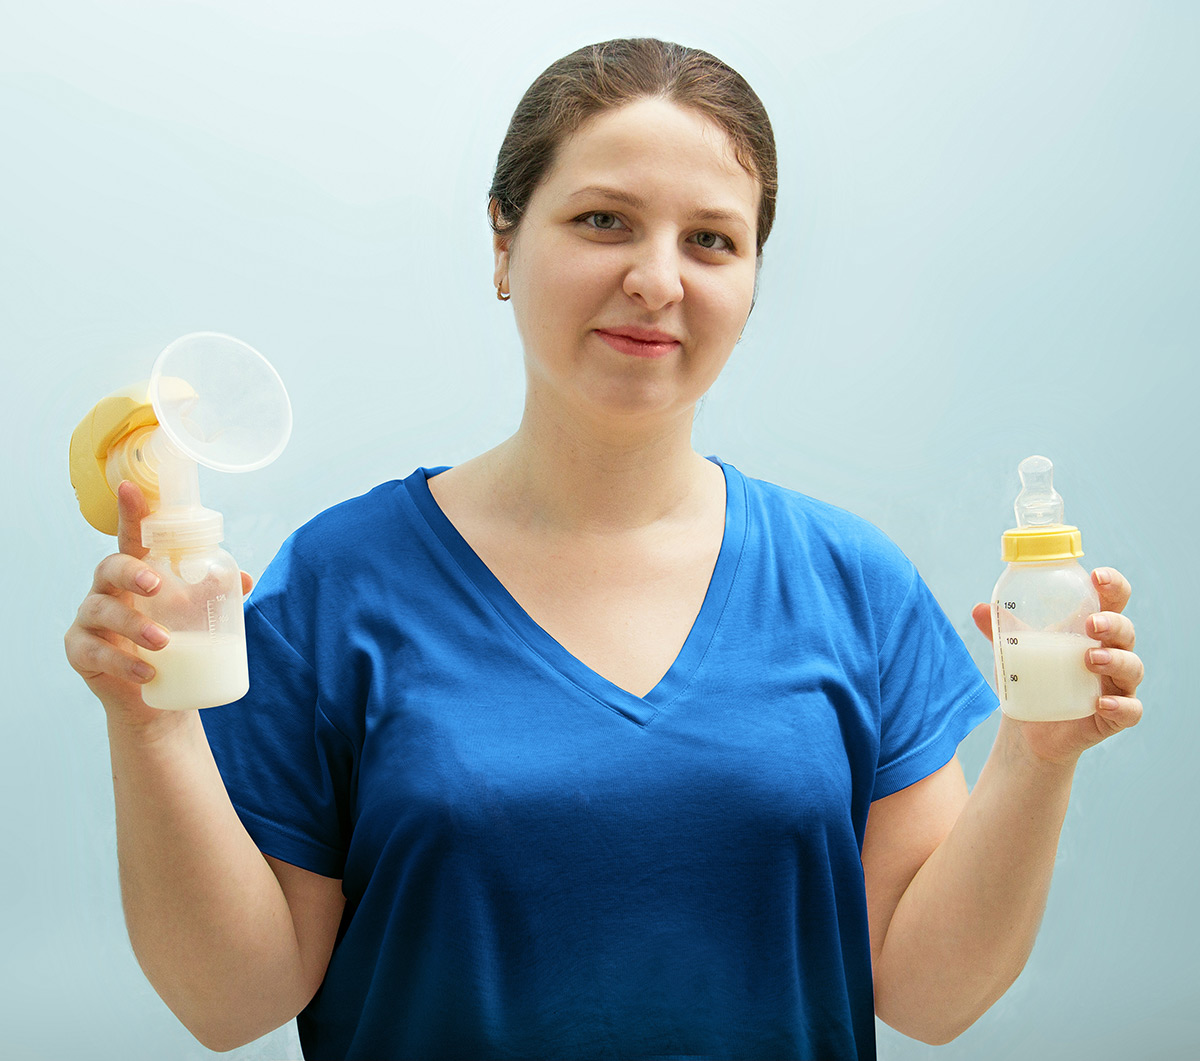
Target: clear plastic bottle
1040, 607
199, 603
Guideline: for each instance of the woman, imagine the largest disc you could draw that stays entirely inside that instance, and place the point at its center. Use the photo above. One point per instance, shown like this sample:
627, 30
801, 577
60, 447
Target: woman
591, 746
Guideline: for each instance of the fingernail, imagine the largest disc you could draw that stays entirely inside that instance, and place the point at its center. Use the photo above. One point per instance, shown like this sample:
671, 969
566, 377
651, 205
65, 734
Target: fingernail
1099, 656
1107, 703
1100, 624
147, 581
156, 635
1103, 576
143, 670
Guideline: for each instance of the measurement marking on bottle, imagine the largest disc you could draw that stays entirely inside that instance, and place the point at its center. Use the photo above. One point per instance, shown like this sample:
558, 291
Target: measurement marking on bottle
1001, 670
217, 615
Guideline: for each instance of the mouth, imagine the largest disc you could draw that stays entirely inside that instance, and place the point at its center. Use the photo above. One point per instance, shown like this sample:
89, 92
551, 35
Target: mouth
639, 342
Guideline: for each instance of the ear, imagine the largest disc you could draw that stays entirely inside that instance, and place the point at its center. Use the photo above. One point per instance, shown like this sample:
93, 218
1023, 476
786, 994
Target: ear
500, 248
501, 244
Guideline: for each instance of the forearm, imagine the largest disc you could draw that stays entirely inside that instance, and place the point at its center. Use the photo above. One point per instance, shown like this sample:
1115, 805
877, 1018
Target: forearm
206, 916
966, 924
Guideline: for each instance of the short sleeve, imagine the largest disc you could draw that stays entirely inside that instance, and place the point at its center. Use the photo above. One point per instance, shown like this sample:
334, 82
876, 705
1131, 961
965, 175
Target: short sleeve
931, 693
285, 765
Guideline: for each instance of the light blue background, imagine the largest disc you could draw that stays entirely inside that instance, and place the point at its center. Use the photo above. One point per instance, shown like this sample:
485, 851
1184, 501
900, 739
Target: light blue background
986, 248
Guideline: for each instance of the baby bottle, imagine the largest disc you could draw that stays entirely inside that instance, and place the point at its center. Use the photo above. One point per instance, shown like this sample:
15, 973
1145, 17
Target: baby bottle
211, 400
1039, 608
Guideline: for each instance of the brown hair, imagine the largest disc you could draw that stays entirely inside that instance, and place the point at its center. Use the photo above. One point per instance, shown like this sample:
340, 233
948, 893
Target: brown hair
601, 77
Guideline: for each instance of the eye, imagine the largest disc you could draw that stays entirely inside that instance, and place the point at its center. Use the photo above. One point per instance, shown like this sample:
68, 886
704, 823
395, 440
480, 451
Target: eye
601, 221
712, 241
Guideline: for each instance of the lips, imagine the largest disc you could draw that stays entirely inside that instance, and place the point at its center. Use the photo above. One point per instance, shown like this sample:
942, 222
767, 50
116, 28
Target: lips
639, 342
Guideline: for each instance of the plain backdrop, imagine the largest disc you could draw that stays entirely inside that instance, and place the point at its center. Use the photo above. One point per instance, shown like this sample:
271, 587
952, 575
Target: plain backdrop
985, 248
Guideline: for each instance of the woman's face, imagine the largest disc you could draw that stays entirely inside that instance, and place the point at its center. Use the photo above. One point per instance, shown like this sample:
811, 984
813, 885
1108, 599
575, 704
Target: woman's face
632, 272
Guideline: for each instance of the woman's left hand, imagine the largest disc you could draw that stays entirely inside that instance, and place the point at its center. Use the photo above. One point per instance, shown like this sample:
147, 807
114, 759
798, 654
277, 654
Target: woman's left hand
1119, 667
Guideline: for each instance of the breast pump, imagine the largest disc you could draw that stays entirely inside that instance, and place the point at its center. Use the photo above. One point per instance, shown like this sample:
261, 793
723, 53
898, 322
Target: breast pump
1040, 606
210, 400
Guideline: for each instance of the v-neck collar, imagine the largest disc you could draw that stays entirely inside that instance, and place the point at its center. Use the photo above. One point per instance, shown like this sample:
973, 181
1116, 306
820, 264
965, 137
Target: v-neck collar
639, 709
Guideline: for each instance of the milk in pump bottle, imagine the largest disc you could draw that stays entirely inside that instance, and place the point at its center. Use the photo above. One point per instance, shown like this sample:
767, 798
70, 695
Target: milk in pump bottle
1039, 608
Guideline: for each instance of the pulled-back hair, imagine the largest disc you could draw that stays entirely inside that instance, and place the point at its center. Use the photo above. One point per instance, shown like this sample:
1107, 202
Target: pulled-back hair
602, 77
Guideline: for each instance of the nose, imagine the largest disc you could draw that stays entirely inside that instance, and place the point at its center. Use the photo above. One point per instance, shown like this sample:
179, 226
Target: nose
654, 275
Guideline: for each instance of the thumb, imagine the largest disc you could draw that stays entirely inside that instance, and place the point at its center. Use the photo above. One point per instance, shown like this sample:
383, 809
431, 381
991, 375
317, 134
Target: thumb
131, 510
982, 615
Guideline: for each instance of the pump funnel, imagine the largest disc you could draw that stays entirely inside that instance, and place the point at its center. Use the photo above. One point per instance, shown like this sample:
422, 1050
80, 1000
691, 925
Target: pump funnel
217, 401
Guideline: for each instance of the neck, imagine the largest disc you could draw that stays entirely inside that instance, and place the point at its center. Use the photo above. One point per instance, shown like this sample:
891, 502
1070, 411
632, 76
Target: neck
566, 474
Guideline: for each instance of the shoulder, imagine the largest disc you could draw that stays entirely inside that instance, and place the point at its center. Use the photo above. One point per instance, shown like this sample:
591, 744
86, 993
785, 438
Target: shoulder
356, 516
818, 531
343, 569
359, 533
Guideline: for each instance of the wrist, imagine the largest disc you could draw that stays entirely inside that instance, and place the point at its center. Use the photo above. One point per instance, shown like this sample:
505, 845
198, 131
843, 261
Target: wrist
153, 730
1026, 751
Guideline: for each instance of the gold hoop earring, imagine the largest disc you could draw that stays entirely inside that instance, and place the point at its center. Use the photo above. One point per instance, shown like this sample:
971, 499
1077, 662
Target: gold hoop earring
499, 289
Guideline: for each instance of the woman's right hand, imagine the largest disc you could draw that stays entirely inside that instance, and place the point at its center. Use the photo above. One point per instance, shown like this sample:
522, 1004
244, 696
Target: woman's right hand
100, 642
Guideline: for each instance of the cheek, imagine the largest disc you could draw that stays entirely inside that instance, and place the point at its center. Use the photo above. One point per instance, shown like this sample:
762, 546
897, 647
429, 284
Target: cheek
727, 304
551, 296
553, 279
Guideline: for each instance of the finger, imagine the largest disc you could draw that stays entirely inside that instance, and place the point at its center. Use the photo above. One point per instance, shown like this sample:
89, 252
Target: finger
1121, 672
1119, 712
95, 657
247, 584
1113, 589
982, 615
121, 573
1111, 629
131, 510
107, 615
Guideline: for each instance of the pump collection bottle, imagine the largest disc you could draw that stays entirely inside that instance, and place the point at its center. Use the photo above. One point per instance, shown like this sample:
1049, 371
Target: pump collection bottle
199, 602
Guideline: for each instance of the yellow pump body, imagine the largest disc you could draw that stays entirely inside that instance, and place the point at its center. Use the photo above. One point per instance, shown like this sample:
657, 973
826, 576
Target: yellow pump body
112, 422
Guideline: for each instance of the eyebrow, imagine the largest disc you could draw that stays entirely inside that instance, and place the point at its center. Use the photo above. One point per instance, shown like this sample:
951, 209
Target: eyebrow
638, 203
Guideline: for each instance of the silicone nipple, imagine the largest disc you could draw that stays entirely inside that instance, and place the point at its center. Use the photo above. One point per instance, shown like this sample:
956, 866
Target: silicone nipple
1038, 504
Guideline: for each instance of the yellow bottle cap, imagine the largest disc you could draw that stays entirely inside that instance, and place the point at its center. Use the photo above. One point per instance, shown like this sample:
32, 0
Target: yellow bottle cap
1027, 545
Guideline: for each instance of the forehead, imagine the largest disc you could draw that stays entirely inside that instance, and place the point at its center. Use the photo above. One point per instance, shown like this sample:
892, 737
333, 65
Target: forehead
654, 147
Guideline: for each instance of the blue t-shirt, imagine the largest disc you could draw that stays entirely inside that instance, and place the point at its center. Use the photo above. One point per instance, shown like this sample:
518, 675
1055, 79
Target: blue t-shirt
539, 864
